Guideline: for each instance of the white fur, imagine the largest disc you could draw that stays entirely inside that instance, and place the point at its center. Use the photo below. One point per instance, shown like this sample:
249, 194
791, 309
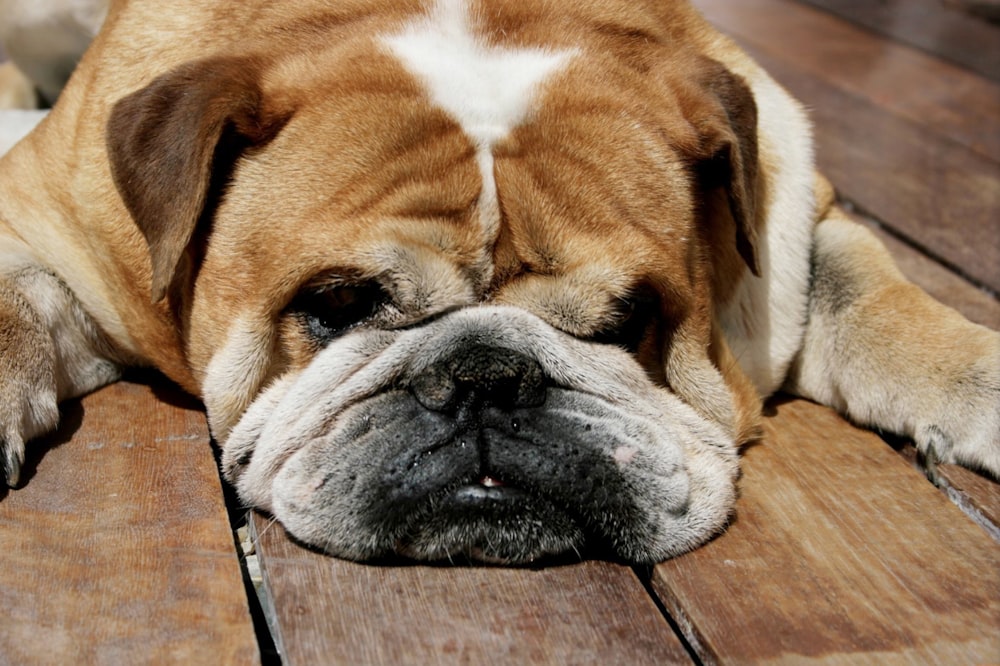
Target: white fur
765, 320
80, 365
236, 373
486, 89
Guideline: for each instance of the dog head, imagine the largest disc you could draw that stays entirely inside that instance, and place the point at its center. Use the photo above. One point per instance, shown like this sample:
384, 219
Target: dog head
448, 286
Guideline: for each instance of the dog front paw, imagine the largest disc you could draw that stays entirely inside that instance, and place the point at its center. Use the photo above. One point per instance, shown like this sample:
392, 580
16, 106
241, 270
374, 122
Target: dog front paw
966, 429
11, 459
28, 388
31, 411
978, 448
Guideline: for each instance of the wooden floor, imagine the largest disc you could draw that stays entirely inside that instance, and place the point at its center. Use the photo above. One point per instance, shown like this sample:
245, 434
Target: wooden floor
119, 549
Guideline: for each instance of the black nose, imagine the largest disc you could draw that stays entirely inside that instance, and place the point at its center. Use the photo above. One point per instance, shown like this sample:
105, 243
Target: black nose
480, 374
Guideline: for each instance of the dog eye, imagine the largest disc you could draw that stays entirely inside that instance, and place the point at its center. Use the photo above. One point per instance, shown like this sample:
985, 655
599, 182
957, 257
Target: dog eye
633, 316
331, 311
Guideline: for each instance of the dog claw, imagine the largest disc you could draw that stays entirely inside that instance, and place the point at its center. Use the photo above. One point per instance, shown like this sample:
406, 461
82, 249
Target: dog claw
11, 466
929, 460
934, 447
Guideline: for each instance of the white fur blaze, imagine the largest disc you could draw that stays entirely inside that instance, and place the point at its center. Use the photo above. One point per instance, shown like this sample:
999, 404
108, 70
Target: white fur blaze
487, 90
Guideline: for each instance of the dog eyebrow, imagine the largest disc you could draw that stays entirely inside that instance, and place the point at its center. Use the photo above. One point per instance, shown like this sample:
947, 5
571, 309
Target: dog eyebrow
336, 277
580, 302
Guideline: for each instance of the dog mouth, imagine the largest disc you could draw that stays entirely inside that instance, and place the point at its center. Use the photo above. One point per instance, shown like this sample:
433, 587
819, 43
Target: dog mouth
501, 484
492, 522
512, 488
486, 490
511, 485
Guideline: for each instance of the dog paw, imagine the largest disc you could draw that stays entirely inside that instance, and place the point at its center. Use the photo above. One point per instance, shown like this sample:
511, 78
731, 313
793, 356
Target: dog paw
28, 385
11, 459
966, 430
40, 417
32, 411
979, 450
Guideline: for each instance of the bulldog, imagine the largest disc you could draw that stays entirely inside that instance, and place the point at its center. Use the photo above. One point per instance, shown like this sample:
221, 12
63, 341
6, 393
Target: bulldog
487, 278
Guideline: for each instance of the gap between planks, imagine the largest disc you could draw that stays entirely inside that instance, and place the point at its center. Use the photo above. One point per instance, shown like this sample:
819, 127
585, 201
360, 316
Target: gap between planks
334, 611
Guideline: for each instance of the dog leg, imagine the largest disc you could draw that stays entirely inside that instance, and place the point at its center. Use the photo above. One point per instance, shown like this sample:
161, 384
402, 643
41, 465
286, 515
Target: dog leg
51, 351
887, 355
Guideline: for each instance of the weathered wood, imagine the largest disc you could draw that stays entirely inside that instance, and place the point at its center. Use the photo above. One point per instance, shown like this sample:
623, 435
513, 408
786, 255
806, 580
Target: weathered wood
930, 25
118, 549
337, 612
977, 496
944, 99
839, 553
942, 195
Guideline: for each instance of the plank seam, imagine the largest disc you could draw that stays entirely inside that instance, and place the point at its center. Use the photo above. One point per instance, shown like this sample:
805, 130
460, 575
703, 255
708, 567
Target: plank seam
264, 594
858, 210
679, 622
962, 501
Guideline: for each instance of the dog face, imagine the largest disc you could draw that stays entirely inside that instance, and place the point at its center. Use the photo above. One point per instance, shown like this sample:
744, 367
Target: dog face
450, 288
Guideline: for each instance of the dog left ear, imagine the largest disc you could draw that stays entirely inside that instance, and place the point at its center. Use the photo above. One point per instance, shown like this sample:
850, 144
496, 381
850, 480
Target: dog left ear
166, 142
729, 152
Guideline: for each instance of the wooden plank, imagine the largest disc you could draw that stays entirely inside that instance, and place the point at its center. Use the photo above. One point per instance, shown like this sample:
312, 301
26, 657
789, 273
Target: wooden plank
943, 99
948, 102
840, 552
941, 195
930, 25
118, 549
336, 612
977, 496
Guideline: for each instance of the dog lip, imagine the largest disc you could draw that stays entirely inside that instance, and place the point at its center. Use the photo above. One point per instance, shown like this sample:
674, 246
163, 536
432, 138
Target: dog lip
480, 493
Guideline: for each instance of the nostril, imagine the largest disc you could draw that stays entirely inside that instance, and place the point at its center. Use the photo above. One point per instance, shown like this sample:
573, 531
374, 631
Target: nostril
477, 375
501, 376
434, 389
531, 388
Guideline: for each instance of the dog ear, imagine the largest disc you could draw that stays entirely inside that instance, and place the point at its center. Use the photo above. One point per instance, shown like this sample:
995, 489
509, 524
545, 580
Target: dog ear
728, 152
165, 142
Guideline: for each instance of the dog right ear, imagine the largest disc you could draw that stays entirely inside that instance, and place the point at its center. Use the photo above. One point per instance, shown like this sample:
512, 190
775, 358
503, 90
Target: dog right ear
169, 142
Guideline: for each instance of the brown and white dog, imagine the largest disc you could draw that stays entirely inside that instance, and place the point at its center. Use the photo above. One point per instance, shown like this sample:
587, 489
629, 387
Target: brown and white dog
502, 278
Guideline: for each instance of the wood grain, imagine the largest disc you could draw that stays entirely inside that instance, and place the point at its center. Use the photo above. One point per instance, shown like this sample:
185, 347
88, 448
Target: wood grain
332, 611
930, 25
945, 99
118, 549
940, 194
977, 496
840, 552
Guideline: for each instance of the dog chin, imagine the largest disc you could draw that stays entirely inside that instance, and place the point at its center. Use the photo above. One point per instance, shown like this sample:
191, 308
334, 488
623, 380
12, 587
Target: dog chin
493, 529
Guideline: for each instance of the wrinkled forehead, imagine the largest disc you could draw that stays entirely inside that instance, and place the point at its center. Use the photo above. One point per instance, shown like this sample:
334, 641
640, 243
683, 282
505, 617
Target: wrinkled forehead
441, 143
